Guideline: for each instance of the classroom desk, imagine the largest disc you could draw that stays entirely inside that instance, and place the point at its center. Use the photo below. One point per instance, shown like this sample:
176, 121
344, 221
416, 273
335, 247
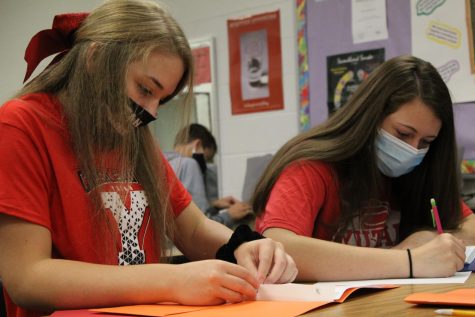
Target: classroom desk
388, 302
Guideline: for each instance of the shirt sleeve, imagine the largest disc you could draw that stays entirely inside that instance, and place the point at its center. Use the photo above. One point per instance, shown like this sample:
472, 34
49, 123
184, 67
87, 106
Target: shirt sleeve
25, 174
466, 211
296, 199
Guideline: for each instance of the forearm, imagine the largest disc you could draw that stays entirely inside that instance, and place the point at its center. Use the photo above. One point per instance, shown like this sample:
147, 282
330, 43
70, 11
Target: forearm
200, 237
319, 260
209, 236
53, 284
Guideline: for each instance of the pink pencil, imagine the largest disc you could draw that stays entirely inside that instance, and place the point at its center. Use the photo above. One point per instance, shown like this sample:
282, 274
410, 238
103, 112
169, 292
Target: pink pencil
435, 211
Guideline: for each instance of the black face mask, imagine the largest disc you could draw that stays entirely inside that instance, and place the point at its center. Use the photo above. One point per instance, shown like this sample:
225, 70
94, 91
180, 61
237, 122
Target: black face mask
200, 158
140, 117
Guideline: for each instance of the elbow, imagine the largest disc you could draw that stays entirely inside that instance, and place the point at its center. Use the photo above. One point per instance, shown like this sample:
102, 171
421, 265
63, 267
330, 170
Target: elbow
25, 294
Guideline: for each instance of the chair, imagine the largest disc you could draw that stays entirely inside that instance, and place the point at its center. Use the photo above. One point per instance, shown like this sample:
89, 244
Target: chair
255, 167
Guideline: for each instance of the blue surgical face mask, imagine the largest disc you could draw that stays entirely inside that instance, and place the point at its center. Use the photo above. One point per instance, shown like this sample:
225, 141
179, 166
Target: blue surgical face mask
395, 157
140, 116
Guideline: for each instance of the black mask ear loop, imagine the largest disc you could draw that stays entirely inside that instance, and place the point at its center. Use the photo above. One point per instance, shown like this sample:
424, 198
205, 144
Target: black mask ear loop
140, 117
200, 158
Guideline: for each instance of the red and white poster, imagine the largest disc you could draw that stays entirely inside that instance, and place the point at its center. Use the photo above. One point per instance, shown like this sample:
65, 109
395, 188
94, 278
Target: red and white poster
255, 60
201, 59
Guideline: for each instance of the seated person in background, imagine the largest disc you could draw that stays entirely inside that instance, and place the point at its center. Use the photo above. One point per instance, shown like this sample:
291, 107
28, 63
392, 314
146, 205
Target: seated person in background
194, 146
365, 178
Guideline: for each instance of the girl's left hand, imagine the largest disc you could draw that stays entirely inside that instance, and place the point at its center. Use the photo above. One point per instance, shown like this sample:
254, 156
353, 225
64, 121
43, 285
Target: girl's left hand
267, 260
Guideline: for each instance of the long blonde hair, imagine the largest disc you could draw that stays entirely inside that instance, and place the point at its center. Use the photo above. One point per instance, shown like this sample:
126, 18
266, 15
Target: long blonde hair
90, 79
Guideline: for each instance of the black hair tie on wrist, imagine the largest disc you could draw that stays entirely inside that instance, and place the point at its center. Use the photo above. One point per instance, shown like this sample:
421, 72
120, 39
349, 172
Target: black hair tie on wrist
410, 263
241, 235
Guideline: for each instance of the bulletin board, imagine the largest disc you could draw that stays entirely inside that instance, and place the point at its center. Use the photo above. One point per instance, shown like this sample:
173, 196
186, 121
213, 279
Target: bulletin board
328, 32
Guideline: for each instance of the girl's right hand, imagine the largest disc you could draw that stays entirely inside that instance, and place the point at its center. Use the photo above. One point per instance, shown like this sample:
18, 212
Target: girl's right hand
441, 257
213, 282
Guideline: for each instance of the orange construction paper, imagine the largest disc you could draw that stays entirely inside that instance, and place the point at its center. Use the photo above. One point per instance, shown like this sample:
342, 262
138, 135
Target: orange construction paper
257, 309
247, 309
462, 297
150, 310
80, 313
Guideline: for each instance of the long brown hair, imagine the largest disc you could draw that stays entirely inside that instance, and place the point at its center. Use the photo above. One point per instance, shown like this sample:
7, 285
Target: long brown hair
90, 80
346, 141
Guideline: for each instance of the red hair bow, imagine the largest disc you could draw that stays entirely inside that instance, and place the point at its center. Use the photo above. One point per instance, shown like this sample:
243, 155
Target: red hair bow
58, 39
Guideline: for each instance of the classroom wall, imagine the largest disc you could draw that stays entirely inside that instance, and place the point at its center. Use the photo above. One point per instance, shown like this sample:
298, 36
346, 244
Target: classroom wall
243, 136
19, 21
322, 43
239, 137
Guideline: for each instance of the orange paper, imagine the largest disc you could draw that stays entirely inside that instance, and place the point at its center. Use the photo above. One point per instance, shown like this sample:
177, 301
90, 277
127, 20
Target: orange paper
257, 309
150, 310
462, 297
248, 309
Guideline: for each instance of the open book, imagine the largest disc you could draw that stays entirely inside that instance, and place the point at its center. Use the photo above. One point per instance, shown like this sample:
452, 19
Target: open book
339, 291
326, 292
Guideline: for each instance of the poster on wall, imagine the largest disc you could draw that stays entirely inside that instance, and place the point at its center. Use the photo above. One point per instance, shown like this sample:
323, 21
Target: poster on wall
368, 20
202, 66
439, 35
255, 63
346, 71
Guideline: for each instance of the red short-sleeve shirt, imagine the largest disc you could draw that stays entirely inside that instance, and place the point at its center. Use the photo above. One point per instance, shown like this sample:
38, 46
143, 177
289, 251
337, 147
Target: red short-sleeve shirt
41, 183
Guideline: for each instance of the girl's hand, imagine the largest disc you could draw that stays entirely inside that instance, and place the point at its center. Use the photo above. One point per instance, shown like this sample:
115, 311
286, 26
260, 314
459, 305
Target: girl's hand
441, 257
239, 210
267, 261
225, 202
213, 282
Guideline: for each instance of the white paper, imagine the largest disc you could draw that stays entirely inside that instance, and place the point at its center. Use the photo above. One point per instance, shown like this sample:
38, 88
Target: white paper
296, 292
368, 20
330, 291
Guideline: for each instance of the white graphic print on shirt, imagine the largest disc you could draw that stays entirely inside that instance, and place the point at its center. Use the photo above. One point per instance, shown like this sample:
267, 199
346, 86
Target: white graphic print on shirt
129, 215
377, 228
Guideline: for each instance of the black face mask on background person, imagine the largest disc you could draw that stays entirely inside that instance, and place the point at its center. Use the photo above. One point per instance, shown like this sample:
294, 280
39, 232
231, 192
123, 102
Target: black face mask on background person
140, 116
200, 158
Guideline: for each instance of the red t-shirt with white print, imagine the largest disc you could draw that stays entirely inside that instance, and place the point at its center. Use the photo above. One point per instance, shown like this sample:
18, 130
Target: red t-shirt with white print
41, 183
305, 200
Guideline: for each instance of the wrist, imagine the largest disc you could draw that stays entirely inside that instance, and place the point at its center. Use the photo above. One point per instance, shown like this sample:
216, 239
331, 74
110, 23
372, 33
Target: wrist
411, 267
241, 235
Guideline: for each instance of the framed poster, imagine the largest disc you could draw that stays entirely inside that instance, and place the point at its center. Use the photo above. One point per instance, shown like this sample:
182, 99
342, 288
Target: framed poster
202, 64
346, 71
255, 63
